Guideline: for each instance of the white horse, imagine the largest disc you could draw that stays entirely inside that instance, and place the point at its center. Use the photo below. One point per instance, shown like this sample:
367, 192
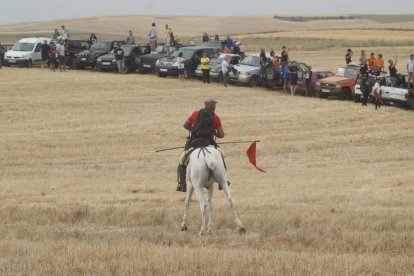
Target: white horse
205, 167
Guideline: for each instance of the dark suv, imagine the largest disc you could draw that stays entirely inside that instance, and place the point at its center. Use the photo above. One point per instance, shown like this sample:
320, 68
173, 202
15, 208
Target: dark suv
146, 63
73, 48
168, 66
88, 58
131, 52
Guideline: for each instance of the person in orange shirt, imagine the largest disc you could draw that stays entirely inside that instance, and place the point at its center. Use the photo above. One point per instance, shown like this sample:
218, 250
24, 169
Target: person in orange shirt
372, 62
380, 63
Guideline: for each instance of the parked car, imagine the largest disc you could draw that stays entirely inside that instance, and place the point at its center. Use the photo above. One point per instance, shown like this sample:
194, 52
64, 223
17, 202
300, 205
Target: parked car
214, 44
146, 63
247, 71
397, 95
73, 48
131, 52
274, 76
88, 57
168, 66
25, 52
317, 76
215, 66
342, 83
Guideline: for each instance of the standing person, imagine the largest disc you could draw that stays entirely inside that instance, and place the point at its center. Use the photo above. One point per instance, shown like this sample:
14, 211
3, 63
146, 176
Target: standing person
205, 62
225, 70
45, 53
181, 66
130, 40
205, 37
376, 93
65, 34
308, 81
362, 58
61, 56
286, 79
202, 124
410, 70
393, 71
229, 42
348, 56
380, 63
167, 39
216, 37
56, 35
2, 52
119, 57
153, 37
284, 56
372, 62
52, 56
293, 74
92, 39
263, 62
366, 88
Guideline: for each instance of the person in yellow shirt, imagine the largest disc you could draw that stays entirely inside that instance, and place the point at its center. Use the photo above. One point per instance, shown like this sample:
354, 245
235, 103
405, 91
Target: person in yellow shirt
205, 62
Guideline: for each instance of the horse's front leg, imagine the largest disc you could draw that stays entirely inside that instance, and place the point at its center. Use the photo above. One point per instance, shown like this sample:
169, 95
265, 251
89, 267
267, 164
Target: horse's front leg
210, 208
190, 190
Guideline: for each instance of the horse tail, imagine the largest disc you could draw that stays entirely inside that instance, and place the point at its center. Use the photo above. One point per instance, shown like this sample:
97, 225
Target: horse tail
210, 161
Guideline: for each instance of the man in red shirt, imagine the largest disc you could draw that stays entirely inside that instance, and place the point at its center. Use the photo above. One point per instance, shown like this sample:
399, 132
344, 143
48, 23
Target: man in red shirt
199, 136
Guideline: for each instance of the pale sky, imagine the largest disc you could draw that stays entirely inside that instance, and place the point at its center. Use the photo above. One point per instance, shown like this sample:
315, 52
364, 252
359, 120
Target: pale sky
13, 11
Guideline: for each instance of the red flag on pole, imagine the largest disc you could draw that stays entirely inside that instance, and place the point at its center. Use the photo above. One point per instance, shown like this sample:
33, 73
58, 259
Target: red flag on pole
251, 154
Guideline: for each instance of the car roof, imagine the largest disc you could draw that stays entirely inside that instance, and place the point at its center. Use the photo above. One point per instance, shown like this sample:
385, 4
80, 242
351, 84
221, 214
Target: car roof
33, 39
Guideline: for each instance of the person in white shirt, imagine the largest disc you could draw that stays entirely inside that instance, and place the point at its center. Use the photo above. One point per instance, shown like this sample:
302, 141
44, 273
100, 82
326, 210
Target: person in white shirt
64, 34
153, 37
225, 70
376, 93
61, 55
181, 66
410, 69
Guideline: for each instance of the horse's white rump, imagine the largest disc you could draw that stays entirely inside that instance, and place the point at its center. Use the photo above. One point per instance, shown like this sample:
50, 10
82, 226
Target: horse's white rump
205, 167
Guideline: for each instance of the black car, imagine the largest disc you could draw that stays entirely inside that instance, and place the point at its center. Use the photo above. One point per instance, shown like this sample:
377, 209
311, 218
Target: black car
168, 66
88, 58
146, 63
131, 52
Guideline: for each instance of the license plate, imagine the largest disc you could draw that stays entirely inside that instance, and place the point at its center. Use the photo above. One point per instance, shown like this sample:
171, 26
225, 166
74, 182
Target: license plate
83, 59
106, 63
12, 61
149, 66
325, 90
163, 70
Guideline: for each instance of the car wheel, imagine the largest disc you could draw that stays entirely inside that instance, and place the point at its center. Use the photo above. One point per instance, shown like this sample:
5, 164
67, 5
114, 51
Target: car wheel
30, 63
254, 81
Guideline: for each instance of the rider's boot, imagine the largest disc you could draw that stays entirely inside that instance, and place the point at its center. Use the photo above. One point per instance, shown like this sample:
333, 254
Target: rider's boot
181, 174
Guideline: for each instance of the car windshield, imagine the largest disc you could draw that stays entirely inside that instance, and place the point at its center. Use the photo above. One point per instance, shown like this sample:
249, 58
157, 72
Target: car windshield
23, 46
186, 53
216, 44
101, 45
159, 49
127, 50
346, 72
251, 60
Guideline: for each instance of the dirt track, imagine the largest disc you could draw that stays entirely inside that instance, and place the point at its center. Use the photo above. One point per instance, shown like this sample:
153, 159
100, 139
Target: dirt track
83, 192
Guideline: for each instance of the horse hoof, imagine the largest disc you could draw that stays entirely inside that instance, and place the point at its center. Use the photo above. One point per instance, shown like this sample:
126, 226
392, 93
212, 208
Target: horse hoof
184, 228
242, 230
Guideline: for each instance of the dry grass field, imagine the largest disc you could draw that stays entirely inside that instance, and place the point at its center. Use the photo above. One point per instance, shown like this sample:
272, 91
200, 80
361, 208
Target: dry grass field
84, 193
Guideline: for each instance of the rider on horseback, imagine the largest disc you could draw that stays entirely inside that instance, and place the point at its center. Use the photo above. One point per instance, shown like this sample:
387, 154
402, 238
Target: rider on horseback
204, 125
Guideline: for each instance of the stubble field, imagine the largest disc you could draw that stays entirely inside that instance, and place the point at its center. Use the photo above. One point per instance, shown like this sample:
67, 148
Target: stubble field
83, 191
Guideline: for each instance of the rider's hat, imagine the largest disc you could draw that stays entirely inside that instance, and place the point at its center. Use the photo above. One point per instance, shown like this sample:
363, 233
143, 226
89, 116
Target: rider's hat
210, 100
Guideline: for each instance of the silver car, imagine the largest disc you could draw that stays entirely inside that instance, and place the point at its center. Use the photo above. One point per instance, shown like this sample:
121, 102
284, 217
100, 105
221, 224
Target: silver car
247, 72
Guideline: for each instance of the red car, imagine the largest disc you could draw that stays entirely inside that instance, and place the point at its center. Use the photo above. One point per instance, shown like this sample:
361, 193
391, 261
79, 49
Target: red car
317, 75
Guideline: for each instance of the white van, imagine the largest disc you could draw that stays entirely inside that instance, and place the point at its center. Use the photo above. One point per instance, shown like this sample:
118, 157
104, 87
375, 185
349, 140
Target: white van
25, 52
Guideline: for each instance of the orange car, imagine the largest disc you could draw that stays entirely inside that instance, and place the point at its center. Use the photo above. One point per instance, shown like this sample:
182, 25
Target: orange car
342, 83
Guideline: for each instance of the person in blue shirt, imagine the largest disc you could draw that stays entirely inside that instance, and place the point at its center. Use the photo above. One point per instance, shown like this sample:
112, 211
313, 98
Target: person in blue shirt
229, 43
286, 79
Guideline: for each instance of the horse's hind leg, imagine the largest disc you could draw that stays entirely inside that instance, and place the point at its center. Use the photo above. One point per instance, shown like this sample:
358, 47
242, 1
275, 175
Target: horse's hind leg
226, 191
203, 208
186, 205
210, 208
